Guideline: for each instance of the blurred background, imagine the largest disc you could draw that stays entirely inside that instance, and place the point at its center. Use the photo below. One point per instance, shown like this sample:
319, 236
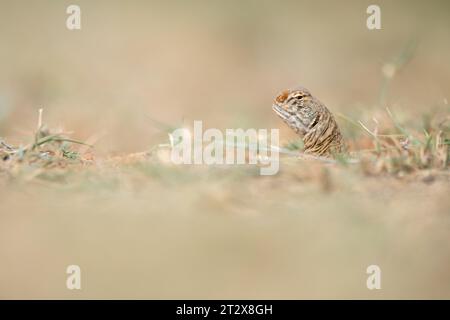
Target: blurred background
179, 234
220, 62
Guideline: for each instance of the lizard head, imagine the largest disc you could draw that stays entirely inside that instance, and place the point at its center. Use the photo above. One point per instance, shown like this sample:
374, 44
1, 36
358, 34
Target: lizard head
295, 108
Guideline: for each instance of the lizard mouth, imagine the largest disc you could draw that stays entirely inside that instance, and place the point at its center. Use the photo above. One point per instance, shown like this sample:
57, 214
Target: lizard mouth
293, 121
280, 112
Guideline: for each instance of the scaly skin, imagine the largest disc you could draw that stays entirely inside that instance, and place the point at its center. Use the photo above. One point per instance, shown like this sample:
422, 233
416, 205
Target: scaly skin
309, 118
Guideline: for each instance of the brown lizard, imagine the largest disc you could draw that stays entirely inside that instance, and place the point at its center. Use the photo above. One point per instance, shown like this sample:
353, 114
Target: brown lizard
309, 118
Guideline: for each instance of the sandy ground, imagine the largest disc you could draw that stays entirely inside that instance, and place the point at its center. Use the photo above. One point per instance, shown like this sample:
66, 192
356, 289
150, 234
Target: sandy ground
144, 229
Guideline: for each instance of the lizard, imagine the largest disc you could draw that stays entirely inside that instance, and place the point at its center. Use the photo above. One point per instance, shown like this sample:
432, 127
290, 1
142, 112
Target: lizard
311, 120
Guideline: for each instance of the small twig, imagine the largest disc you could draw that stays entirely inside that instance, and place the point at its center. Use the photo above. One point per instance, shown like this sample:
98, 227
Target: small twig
6, 146
367, 130
40, 119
